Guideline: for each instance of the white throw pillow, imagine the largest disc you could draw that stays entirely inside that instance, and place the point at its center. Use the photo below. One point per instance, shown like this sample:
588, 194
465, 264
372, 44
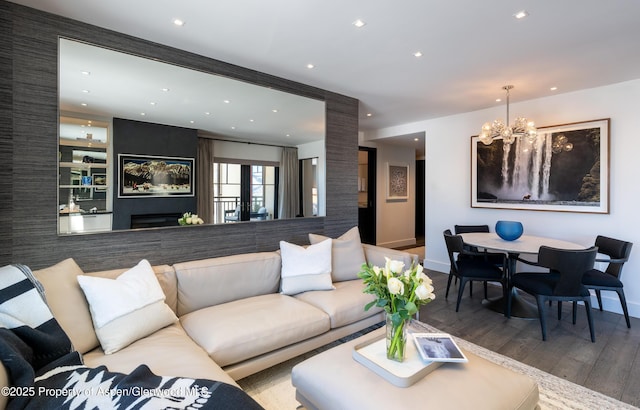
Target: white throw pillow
347, 255
305, 269
127, 308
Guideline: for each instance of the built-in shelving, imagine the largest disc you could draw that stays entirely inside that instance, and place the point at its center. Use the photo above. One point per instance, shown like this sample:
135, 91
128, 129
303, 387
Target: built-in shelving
83, 152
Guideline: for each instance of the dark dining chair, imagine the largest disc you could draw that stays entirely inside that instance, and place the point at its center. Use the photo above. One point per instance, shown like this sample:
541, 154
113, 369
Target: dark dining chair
618, 252
495, 258
563, 282
470, 267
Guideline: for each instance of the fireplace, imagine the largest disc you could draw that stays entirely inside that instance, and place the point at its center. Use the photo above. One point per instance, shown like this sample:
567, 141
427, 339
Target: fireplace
154, 220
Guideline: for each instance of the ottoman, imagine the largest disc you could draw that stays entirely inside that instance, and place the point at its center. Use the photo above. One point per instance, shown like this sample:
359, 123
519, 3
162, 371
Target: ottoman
333, 380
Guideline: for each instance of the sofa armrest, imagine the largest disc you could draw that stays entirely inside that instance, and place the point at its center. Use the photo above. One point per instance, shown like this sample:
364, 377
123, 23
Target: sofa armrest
375, 255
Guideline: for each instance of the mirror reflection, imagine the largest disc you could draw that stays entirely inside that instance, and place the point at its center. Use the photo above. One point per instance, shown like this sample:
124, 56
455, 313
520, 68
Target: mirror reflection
251, 153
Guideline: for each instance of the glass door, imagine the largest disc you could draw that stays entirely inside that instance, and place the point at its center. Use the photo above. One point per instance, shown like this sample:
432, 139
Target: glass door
244, 192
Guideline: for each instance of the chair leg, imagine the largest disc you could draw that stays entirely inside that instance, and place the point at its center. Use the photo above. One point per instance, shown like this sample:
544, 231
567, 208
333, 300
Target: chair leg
623, 302
470, 288
542, 315
463, 281
485, 290
587, 305
599, 296
575, 305
509, 296
559, 309
451, 275
506, 298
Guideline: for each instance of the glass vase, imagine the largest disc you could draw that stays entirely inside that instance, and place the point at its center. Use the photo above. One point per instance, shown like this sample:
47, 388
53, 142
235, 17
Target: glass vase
396, 339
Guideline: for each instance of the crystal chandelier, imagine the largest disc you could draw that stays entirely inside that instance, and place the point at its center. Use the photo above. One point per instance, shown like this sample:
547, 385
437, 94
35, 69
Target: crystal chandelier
498, 129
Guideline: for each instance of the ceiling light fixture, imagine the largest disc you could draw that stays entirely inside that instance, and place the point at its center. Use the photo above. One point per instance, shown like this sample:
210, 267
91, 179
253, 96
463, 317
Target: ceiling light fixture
359, 23
498, 129
85, 72
165, 89
553, 88
178, 22
521, 14
310, 66
417, 54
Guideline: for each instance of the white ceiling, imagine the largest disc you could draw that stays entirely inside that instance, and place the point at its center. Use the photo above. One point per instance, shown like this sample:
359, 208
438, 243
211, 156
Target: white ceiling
470, 48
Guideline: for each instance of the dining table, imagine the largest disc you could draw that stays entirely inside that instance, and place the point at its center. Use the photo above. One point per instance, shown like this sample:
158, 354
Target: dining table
524, 245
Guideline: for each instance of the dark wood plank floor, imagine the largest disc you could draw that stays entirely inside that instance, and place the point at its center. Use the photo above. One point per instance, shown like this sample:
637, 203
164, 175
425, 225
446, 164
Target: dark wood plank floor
610, 366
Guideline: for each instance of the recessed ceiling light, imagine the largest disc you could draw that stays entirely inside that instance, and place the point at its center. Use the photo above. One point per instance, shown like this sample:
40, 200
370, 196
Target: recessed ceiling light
83, 104
142, 113
287, 135
85, 91
359, 23
165, 89
498, 99
521, 14
233, 128
553, 88
369, 114
251, 120
274, 110
310, 66
85, 72
178, 22
416, 139
207, 113
227, 101
152, 103
417, 54
192, 121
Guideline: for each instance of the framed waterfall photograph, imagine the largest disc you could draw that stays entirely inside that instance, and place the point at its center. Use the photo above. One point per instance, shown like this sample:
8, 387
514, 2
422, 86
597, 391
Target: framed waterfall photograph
563, 168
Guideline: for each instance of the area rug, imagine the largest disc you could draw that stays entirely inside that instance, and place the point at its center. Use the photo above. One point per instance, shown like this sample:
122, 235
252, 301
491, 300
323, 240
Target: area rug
273, 390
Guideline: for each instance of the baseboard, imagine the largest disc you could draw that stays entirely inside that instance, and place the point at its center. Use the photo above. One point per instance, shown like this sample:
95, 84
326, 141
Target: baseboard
398, 244
436, 266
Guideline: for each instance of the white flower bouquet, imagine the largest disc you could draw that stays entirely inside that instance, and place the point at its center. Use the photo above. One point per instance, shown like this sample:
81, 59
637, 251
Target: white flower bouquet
400, 293
190, 219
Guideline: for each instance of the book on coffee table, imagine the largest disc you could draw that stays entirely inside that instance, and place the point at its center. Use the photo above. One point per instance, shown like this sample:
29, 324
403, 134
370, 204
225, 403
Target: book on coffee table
438, 347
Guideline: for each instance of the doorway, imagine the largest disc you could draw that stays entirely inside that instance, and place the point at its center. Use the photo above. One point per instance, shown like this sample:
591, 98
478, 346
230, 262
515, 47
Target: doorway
420, 202
367, 158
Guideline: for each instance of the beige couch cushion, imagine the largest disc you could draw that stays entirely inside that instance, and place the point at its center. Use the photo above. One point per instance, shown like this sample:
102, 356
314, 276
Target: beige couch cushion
67, 302
167, 352
347, 255
375, 255
242, 329
344, 305
210, 282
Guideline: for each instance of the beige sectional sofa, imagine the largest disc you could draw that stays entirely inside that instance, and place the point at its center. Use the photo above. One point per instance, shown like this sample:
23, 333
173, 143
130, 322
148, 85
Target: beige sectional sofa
232, 320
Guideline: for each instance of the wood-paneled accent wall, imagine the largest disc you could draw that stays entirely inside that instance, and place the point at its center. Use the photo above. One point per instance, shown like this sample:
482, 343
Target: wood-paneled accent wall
29, 148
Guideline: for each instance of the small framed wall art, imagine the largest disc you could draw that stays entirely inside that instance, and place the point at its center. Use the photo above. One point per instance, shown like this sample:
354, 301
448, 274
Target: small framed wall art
397, 181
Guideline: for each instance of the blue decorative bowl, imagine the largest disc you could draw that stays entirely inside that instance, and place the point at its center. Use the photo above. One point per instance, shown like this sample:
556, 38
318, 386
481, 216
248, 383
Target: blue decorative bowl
509, 230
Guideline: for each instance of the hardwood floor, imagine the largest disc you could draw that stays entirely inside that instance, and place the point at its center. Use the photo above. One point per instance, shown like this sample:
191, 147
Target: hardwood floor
610, 366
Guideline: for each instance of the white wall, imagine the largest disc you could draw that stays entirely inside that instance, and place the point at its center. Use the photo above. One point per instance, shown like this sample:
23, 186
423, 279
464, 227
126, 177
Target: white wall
395, 219
448, 176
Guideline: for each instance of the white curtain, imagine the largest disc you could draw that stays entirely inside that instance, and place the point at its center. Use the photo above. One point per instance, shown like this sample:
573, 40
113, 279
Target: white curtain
204, 179
289, 195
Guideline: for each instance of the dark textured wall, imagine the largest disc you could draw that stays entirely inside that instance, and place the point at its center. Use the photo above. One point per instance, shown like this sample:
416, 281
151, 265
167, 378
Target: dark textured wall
144, 138
28, 157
